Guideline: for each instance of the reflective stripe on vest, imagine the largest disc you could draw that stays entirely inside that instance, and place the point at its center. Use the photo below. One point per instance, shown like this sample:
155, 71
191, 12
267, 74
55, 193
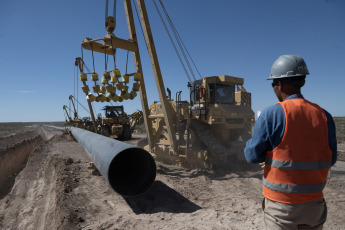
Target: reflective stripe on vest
296, 170
293, 188
301, 165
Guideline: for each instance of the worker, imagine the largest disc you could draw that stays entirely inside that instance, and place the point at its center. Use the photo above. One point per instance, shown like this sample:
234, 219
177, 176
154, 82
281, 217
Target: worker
296, 141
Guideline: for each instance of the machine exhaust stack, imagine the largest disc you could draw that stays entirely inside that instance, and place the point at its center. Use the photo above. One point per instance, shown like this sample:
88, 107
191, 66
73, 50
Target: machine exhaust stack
129, 170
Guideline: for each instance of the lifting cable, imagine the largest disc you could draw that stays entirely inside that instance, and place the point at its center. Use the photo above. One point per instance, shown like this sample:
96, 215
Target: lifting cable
84, 65
114, 16
112, 48
127, 62
81, 105
69, 109
106, 9
105, 59
141, 26
114, 10
82, 61
82, 56
172, 27
182, 46
179, 39
172, 42
142, 31
67, 114
93, 59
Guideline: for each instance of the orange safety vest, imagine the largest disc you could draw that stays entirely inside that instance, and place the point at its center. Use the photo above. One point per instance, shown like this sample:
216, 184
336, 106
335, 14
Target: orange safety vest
296, 170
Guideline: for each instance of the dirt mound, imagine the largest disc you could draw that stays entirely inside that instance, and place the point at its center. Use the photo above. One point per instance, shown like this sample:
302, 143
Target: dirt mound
56, 190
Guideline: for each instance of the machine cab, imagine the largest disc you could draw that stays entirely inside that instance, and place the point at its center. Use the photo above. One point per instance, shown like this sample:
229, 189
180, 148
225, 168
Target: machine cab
220, 93
114, 112
214, 90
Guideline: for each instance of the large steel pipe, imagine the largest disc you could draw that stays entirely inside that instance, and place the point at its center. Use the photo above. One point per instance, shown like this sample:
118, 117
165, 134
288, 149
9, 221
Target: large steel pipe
129, 170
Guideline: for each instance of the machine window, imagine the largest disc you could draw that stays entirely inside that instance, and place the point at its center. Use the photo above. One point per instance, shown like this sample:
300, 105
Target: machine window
222, 93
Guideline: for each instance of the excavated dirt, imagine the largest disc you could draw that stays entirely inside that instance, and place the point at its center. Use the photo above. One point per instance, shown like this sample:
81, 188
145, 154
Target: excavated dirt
55, 190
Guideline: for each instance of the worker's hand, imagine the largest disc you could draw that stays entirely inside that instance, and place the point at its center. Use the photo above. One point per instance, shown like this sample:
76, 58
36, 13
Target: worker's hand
262, 164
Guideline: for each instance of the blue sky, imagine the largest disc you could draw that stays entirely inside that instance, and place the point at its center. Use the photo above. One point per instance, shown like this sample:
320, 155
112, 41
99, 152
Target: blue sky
39, 41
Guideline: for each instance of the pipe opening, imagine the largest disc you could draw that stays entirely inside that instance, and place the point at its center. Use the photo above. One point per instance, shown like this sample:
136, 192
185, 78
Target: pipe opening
132, 172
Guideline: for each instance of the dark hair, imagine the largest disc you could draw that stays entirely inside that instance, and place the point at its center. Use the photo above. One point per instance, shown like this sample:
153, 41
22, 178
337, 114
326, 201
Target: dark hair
297, 82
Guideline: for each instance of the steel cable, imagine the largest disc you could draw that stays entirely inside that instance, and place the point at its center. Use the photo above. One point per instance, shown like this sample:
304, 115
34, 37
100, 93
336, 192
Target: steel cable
171, 40
114, 9
141, 26
81, 105
106, 9
179, 39
93, 60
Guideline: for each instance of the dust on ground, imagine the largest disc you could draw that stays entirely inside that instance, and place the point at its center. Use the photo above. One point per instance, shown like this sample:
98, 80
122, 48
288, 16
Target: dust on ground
55, 190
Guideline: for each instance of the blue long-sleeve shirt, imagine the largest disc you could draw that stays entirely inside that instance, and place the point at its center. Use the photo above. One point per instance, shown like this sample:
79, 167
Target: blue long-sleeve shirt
269, 131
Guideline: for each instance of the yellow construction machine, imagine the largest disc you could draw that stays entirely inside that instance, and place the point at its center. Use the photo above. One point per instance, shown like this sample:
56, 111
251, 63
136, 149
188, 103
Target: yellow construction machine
136, 119
115, 122
76, 121
205, 131
211, 129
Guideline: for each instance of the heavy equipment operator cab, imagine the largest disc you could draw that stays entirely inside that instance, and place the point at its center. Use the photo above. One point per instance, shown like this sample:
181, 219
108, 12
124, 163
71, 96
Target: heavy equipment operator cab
114, 112
115, 122
213, 90
221, 93
221, 100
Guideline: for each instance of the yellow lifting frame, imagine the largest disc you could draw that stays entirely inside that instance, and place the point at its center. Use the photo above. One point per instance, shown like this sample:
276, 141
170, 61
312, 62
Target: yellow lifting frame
111, 43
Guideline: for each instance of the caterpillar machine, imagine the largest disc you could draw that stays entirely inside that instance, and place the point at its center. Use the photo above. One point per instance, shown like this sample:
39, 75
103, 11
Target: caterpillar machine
208, 131
116, 122
136, 118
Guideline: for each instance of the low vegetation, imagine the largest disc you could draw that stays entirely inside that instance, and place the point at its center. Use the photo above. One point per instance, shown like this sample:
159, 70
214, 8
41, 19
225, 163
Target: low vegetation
14, 126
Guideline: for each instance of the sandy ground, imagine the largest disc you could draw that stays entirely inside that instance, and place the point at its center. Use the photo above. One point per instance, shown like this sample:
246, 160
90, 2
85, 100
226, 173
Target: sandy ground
55, 190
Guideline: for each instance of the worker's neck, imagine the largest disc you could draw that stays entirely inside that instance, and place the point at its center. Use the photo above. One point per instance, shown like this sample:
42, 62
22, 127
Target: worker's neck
289, 93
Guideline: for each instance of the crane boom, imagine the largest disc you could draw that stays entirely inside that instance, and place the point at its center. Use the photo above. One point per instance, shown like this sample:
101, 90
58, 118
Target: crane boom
138, 68
75, 111
79, 62
166, 106
65, 108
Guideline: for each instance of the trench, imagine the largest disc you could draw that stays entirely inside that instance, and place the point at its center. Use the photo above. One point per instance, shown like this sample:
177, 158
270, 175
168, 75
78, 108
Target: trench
13, 159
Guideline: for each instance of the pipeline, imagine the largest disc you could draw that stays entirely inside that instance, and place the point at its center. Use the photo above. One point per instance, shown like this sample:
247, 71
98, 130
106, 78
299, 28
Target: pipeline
129, 170
56, 127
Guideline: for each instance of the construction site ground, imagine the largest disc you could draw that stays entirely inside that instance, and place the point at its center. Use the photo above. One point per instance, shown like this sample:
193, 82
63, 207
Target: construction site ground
45, 183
